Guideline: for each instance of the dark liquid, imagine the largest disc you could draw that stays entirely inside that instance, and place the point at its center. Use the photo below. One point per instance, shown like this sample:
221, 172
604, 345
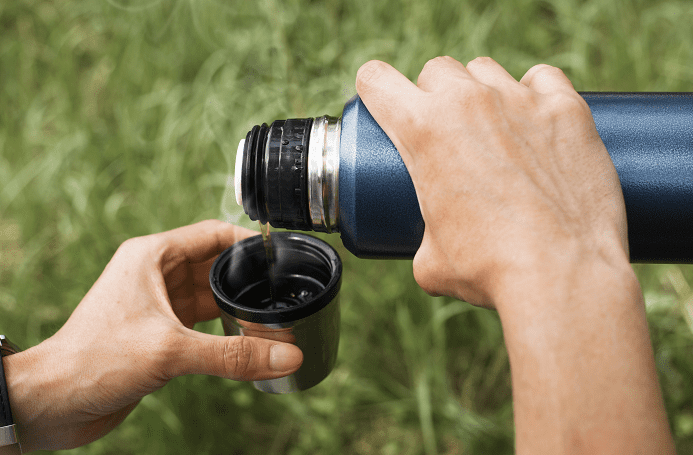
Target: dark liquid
275, 293
288, 292
269, 254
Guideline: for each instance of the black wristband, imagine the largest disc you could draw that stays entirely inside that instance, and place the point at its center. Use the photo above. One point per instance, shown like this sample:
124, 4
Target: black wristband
9, 443
5, 411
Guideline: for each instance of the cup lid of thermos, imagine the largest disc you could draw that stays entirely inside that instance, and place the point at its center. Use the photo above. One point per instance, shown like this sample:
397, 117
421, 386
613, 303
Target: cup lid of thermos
301, 260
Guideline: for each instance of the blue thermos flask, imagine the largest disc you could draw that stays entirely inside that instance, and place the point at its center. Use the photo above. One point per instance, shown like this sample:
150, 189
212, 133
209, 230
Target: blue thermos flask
344, 175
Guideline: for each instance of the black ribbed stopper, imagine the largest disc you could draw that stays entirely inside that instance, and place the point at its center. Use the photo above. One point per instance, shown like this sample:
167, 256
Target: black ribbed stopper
274, 174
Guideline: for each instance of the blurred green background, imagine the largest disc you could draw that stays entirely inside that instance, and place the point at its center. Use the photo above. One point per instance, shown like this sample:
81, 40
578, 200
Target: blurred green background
121, 118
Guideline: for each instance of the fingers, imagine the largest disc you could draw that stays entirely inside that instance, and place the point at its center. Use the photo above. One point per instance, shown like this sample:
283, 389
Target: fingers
547, 79
445, 73
489, 72
242, 358
440, 73
199, 242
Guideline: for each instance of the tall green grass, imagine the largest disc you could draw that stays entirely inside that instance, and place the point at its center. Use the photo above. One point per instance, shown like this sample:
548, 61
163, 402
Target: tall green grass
121, 118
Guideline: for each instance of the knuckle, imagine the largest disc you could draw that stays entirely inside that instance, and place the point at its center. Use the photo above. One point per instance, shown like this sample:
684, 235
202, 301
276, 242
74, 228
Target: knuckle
544, 68
541, 66
435, 68
442, 60
134, 255
238, 357
138, 244
368, 73
546, 73
571, 105
130, 249
481, 61
130, 244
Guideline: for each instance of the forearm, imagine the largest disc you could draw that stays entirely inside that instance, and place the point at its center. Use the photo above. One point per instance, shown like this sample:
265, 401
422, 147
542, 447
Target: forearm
583, 373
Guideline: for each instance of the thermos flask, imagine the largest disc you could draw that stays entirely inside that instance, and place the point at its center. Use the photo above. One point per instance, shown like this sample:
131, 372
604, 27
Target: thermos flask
344, 175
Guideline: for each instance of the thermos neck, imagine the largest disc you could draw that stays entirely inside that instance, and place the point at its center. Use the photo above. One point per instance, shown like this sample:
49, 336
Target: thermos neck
287, 174
323, 173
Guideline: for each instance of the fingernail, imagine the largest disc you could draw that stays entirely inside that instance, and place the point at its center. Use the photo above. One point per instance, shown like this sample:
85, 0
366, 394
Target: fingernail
283, 357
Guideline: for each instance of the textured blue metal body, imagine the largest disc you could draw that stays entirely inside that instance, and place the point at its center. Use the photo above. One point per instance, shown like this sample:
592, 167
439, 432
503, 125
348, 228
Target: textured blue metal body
648, 135
379, 214
650, 139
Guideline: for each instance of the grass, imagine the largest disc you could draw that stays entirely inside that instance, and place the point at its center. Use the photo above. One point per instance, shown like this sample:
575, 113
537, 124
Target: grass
121, 118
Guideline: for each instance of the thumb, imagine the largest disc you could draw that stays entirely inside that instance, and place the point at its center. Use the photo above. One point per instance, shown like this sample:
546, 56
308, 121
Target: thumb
241, 358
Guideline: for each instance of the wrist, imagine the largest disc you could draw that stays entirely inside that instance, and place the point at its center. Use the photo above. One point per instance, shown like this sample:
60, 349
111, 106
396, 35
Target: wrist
26, 395
562, 274
581, 357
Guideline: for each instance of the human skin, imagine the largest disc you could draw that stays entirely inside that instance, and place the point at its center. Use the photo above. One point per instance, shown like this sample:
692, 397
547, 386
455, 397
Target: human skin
524, 213
130, 335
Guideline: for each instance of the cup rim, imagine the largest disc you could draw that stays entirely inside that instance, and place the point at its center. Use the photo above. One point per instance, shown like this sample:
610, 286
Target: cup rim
291, 314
